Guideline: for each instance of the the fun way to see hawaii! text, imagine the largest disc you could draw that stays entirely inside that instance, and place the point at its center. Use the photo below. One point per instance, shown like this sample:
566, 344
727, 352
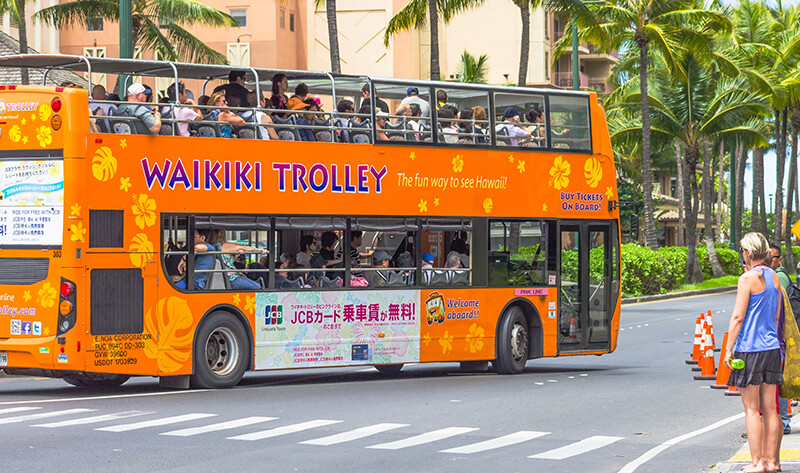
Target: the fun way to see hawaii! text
444, 183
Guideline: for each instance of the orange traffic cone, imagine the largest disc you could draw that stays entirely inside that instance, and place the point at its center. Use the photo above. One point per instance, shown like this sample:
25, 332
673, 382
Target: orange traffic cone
698, 336
573, 329
710, 324
733, 391
723, 373
707, 361
703, 345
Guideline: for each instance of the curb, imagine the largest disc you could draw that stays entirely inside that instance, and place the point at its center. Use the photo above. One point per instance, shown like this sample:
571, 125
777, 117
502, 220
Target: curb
675, 295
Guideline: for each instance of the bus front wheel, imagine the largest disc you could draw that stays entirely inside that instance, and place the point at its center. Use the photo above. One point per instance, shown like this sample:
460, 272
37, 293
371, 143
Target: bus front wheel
512, 342
221, 352
95, 380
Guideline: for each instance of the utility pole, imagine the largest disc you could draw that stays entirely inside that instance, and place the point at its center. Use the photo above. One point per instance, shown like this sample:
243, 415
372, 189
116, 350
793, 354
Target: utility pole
576, 78
125, 39
731, 185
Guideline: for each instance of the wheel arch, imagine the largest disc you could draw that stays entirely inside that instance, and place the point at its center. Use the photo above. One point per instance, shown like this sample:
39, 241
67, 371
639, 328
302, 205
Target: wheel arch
233, 310
534, 319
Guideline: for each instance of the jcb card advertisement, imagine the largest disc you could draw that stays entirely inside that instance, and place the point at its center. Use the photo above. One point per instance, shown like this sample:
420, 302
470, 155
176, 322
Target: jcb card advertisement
31, 202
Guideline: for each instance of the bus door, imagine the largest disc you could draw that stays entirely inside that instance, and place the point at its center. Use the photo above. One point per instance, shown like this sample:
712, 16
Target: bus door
585, 280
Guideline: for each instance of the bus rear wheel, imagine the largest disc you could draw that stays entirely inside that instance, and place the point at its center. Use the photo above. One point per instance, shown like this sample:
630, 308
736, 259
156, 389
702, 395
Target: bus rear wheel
221, 352
389, 368
512, 342
95, 380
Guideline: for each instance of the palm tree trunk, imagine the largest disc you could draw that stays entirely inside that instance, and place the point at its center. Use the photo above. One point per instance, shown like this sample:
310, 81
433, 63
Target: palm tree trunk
758, 192
681, 196
433, 13
708, 218
720, 185
694, 272
333, 36
788, 257
741, 163
780, 158
647, 174
525, 46
23, 40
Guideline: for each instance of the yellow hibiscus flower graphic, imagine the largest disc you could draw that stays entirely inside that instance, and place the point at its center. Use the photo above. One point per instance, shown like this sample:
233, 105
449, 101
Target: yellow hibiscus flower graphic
593, 172
139, 248
458, 163
446, 342
474, 338
47, 295
44, 112
170, 329
78, 232
559, 173
45, 136
15, 133
144, 210
104, 164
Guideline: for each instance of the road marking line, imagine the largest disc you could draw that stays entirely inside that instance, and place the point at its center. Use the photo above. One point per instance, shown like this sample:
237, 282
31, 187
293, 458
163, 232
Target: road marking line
650, 454
92, 420
353, 434
231, 424
577, 448
43, 415
424, 438
155, 423
18, 409
95, 398
504, 441
286, 429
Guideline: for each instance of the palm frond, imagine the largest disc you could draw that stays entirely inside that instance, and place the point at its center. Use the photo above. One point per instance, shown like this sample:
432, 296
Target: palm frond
413, 15
76, 13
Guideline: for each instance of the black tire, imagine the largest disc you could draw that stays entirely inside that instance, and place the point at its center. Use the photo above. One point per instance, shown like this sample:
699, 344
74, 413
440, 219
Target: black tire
513, 342
389, 368
95, 380
221, 352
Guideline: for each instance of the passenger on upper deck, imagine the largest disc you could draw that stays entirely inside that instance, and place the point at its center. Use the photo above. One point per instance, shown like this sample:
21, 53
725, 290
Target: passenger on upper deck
182, 113
136, 95
304, 119
441, 99
280, 84
366, 104
412, 97
380, 128
203, 261
413, 121
536, 116
510, 125
449, 134
344, 106
479, 113
223, 114
101, 109
264, 132
235, 86
300, 95
401, 111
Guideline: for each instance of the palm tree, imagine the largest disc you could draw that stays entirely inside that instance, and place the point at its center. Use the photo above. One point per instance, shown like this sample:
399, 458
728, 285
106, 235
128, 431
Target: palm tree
525, 7
665, 26
333, 33
158, 25
16, 9
473, 69
418, 13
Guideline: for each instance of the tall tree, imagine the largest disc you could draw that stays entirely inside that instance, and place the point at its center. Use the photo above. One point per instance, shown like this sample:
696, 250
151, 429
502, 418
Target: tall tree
16, 9
418, 13
333, 33
708, 215
158, 25
525, 8
665, 26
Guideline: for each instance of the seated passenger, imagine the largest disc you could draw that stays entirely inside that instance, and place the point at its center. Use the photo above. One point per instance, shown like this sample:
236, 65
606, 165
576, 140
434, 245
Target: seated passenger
304, 119
380, 128
512, 128
466, 125
202, 262
150, 119
329, 241
308, 246
341, 122
237, 280
300, 96
427, 261
183, 114
235, 86
414, 122
412, 97
479, 113
449, 134
223, 114
536, 117
101, 109
288, 261
263, 118
280, 84
401, 111
460, 249
380, 259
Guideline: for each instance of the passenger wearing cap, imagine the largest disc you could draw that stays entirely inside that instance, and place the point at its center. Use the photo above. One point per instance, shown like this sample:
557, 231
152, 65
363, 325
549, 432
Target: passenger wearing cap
412, 97
304, 119
511, 126
427, 261
380, 125
378, 278
133, 108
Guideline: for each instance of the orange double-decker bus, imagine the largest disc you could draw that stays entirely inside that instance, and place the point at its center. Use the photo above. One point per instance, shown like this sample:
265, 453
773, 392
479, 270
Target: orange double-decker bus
469, 223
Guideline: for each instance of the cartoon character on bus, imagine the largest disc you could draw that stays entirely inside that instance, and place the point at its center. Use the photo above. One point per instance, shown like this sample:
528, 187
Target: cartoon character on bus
436, 308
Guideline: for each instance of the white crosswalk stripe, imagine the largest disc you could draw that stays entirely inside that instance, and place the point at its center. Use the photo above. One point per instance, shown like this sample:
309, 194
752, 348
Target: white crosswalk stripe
287, 429
577, 448
231, 424
42, 415
353, 434
92, 420
11, 410
424, 438
155, 423
504, 441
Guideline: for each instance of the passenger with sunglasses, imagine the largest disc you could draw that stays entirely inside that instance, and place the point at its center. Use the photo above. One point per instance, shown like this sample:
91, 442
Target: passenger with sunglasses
223, 114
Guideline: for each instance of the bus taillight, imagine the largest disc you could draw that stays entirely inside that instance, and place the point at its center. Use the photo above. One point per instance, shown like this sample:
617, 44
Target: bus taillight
56, 105
66, 307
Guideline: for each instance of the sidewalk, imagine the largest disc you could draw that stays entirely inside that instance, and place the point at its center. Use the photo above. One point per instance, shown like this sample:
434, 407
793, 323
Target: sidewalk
790, 452
675, 295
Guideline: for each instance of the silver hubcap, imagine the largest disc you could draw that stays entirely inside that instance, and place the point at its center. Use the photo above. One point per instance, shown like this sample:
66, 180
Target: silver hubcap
519, 342
222, 351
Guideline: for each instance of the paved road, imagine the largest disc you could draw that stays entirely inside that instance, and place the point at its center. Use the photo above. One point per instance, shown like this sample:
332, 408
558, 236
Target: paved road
635, 410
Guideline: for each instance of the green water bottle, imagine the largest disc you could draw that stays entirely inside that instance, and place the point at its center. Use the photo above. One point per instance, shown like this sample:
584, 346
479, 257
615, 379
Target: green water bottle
737, 363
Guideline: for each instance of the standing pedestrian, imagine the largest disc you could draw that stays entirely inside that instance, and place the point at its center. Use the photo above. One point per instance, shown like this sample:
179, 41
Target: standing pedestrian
754, 327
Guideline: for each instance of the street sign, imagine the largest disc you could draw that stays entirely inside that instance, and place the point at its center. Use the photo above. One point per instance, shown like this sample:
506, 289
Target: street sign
796, 229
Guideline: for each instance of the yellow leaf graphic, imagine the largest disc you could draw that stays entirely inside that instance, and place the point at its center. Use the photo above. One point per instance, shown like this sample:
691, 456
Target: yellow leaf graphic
44, 112
487, 205
144, 208
593, 172
170, 329
104, 164
139, 248
45, 136
15, 133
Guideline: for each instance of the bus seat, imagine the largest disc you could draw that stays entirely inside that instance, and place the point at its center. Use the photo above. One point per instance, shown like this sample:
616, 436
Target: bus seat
396, 278
325, 281
438, 278
217, 280
360, 133
459, 278
207, 130
166, 129
395, 131
246, 132
286, 133
122, 128
322, 135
